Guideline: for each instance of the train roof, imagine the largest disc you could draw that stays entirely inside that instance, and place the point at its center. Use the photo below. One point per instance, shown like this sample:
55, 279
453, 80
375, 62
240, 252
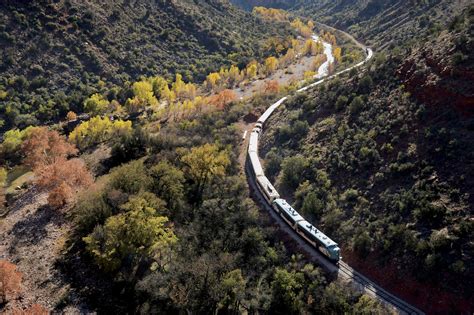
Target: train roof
265, 183
317, 233
270, 110
285, 206
255, 164
253, 142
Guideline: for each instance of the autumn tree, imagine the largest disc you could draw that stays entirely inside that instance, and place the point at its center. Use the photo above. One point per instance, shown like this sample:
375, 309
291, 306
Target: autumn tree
251, 70
203, 164
271, 87
212, 80
318, 61
96, 104
97, 130
71, 116
222, 99
337, 53
47, 152
271, 64
10, 281
143, 97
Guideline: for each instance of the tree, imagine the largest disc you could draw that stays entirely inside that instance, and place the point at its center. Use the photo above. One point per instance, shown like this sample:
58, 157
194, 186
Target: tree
13, 139
212, 79
356, 105
97, 130
337, 54
222, 99
293, 169
10, 281
271, 87
71, 116
96, 104
46, 147
341, 102
288, 58
313, 205
271, 64
168, 183
203, 164
132, 236
233, 287
234, 74
362, 244
143, 97
130, 178
251, 70
287, 288
62, 179
47, 152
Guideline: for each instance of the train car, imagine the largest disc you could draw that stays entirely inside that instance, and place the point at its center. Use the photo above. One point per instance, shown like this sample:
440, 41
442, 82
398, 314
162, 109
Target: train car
255, 166
290, 215
270, 111
267, 189
319, 240
253, 142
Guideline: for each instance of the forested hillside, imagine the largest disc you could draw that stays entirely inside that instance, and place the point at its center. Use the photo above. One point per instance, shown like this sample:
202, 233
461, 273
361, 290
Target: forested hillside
382, 160
56, 53
378, 23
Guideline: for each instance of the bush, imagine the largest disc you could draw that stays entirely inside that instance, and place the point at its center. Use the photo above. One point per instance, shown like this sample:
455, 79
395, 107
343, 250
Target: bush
356, 105
130, 178
293, 170
341, 102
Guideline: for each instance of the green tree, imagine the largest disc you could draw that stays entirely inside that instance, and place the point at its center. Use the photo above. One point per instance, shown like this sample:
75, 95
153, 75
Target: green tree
130, 178
313, 205
233, 288
168, 183
294, 169
356, 105
287, 291
135, 235
341, 102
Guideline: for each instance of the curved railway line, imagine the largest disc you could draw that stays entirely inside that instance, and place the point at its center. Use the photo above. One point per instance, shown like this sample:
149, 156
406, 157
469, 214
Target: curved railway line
342, 269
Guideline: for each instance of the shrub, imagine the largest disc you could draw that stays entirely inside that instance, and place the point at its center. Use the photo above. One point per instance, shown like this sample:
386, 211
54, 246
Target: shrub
341, 102
356, 105
293, 171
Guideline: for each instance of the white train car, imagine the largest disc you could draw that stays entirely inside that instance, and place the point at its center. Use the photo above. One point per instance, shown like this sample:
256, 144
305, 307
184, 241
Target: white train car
267, 189
253, 142
270, 111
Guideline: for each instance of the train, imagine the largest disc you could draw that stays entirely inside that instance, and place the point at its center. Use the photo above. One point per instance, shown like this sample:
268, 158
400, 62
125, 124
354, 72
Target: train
296, 221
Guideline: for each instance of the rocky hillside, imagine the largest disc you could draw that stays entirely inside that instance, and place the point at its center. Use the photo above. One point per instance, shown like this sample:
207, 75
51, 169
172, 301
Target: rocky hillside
382, 161
56, 53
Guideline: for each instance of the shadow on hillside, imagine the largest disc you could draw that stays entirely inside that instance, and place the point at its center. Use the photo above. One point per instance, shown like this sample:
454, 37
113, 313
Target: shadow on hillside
33, 228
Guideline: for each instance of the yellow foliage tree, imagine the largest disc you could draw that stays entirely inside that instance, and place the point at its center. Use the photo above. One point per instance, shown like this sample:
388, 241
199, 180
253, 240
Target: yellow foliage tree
204, 163
143, 97
271, 64
96, 104
251, 70
97, 130
212, 80
337, 53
